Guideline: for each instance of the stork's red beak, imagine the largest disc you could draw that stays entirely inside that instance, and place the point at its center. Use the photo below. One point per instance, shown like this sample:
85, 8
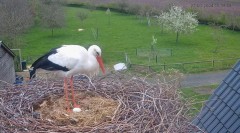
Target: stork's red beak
99, 59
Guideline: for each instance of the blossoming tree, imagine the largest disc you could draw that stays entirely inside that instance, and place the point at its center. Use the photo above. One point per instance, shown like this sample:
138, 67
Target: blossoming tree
179, 21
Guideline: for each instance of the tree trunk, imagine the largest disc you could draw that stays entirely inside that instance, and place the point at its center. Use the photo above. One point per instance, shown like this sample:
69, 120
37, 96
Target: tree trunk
177, 37
233, 27
108, 19
52, 32
162, 28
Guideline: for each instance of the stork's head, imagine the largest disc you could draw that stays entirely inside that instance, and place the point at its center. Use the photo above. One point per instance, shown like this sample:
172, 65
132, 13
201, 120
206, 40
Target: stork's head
97, 52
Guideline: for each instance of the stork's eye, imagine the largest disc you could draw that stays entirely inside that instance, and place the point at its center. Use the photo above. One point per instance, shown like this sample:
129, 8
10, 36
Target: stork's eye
97, 53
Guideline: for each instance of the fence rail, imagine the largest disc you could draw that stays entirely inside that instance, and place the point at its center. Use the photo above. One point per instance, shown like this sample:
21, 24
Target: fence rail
185, 67
143, 52
17, 59
189, 67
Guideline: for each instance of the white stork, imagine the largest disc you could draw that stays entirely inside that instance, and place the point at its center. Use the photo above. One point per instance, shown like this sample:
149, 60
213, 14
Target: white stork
69, 60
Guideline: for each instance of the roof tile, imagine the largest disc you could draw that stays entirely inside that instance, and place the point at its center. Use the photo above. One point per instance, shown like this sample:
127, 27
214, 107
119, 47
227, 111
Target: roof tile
221, 112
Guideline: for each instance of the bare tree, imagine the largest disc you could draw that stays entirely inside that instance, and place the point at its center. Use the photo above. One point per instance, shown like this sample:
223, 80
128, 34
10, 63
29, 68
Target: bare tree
233, 21
91, 4
82, 15
108, 13
218, 36
122, 5
15, 17
144, 12
52, 14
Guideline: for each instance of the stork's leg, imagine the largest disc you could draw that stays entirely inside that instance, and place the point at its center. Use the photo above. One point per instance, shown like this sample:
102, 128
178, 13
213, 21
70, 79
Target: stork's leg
66, 94
75, 105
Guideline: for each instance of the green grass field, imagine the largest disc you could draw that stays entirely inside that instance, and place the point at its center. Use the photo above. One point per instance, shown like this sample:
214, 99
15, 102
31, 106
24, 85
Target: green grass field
125, 33
198, 96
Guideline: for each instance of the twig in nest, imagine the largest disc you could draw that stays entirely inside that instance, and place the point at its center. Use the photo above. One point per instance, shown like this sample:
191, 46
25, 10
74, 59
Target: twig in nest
142, 106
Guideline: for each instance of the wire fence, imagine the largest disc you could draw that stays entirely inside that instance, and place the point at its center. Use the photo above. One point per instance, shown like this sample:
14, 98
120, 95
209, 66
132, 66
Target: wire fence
31, 59
109, 58
188, 67
153, 53
17, 59
114, 57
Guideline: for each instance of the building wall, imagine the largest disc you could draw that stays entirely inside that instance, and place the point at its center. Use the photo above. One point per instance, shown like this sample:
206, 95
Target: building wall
7, 72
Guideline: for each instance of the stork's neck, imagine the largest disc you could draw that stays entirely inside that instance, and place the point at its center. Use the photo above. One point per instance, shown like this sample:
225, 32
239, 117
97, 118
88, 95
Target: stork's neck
91, 66
91, 53
91, 50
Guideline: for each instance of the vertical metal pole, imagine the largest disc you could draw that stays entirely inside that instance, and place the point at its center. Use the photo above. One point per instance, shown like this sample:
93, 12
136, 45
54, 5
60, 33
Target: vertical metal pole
20, 55
126, 57
183, 66
97, 33
164, 66
156, 58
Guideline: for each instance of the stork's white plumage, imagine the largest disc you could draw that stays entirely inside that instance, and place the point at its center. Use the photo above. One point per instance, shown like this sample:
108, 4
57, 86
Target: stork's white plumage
69, 60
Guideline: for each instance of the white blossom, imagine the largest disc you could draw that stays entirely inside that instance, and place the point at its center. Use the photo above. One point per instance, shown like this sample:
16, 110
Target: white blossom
179, 21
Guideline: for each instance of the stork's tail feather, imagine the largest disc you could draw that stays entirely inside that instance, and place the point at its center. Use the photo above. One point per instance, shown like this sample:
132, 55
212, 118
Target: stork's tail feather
32, 73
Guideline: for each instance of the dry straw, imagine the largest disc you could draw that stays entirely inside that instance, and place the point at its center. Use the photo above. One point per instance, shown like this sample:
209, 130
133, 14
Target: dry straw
140, 105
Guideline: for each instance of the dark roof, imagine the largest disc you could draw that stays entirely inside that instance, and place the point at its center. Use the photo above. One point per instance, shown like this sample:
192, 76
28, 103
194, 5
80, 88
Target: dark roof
7, 49
221, 113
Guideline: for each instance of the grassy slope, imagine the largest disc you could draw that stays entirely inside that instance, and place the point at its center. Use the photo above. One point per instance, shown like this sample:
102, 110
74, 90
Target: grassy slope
126, 33
197, 99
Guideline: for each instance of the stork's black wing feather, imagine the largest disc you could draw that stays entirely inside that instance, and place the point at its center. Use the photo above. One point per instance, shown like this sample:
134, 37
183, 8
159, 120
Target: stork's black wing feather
45, 64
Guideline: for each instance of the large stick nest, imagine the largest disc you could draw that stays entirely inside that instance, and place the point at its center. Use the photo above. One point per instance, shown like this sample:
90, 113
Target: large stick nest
141, 106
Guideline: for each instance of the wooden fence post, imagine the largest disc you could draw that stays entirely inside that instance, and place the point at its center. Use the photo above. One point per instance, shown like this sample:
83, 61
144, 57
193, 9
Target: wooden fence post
183, 66
164, 66
130, 65
126, 57
212, 63
156, 58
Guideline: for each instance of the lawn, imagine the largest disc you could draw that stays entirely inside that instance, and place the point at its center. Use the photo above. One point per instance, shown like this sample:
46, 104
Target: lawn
197, 96
124, 34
